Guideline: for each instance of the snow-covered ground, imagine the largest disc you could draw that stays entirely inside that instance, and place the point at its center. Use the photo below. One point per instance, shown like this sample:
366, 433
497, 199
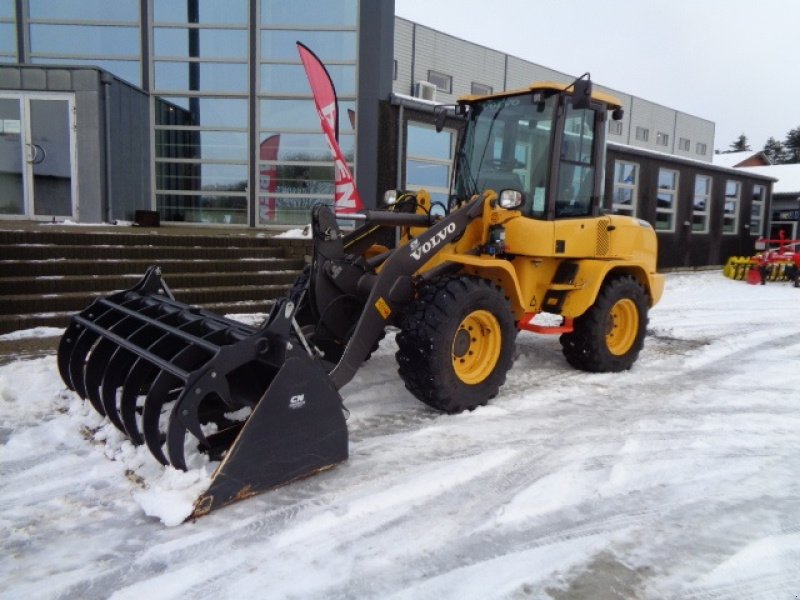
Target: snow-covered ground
680, 478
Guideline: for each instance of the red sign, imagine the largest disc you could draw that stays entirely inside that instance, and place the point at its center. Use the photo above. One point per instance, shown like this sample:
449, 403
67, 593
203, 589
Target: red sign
347, 198
268, 151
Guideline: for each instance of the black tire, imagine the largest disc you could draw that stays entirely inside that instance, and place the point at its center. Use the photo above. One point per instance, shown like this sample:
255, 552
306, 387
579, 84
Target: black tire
439, 361
609, 336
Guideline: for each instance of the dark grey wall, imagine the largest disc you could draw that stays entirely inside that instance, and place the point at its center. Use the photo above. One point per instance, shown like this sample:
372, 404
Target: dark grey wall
375, 59
130, 151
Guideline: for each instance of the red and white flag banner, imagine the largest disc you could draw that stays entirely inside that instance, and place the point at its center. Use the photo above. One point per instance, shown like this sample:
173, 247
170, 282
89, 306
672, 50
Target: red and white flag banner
346, 195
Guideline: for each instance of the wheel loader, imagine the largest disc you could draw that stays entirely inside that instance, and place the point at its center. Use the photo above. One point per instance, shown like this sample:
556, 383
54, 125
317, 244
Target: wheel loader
523, 236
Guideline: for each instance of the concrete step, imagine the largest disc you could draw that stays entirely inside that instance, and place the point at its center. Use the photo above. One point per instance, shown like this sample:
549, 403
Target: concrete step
48, 273
9, 323
140, 237
63, 267
153, 253
10, 286
21, 304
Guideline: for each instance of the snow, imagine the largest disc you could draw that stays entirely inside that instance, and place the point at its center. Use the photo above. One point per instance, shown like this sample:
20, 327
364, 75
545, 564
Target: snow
35, 332
732, 159
303, 233
678, 478
788, 177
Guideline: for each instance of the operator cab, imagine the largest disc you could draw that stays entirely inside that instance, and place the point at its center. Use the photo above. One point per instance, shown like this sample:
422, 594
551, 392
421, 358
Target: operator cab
545, 141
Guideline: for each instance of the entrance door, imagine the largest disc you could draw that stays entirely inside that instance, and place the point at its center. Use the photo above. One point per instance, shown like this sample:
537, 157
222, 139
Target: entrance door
37, 170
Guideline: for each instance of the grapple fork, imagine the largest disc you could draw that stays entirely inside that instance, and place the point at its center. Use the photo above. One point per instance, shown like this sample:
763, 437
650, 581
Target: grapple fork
159, 368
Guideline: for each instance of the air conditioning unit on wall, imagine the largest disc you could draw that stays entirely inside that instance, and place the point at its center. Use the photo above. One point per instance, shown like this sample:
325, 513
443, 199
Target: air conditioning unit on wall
425, 90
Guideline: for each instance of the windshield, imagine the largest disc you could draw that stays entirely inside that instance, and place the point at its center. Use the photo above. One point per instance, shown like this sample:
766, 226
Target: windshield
507, 146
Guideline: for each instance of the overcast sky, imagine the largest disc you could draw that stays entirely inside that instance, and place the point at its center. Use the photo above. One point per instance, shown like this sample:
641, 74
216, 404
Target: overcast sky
734, 62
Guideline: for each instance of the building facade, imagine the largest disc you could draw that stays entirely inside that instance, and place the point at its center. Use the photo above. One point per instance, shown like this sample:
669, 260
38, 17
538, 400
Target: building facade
200, 110
232, 131
432, 65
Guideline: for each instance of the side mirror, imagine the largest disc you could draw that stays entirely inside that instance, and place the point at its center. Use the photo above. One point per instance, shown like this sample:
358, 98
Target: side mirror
510, 199
617, 114
582, 93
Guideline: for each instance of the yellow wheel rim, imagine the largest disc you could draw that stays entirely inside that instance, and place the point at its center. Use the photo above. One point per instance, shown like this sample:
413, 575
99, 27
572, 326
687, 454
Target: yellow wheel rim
623, 326
476, 347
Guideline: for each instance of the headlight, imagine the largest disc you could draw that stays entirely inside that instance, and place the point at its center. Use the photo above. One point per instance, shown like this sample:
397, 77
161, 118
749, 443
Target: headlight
390, 197
510, 199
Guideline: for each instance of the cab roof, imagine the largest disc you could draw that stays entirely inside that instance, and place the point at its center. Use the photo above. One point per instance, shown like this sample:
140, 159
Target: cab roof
544, 86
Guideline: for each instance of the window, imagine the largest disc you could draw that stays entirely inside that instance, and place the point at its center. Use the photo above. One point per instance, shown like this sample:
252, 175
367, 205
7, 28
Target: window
615, 127
757, 209
701, 203
642, 134
200, 80
626, 181
295, 170
684, 144
480, 89
428, 160
666, 199
105, 34
701, 148
730, 213
394, 70
576, 172
662, 139
442, 81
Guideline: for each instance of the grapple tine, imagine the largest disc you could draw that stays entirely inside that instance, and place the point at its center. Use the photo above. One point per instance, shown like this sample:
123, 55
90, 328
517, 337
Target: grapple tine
138, 380
118, 368
65, 349
93, 377
185, 415
151, 415
176, 437
77, 361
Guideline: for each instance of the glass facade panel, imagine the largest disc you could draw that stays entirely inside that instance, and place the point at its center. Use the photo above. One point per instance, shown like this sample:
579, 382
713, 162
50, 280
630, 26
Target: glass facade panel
427, 174
100, 40
299, 114
757, 209
625, 192
214, 145
296, 179
730, 216
129, 70
288, 210
203, 208
279, 45
8, 38
196, 176
85, 10
302, 146
12, 197
310, 13
666, 199
208, 77
230, 12
209, 112
206, 43
7, 10
701, 203
291, 79
425, 141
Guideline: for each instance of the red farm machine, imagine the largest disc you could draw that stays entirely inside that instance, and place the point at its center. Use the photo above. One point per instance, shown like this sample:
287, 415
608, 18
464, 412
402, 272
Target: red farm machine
775, 260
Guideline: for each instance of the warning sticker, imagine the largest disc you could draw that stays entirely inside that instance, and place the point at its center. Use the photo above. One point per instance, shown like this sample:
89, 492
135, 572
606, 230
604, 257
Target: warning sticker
383, 308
